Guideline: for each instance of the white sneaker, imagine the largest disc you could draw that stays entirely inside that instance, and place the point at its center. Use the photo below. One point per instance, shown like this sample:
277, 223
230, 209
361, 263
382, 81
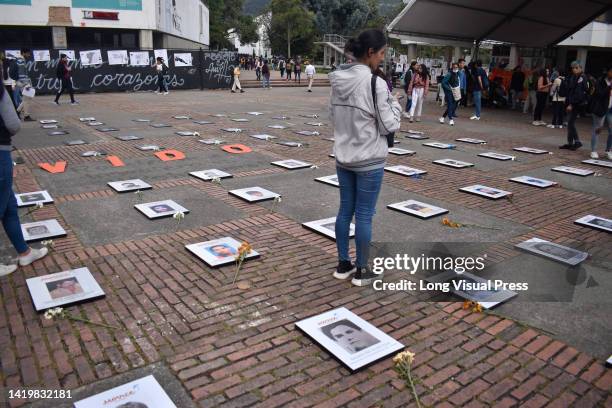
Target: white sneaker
33, 256
166, 93
451, 122
441, 120
474, 117
7, 269
560, 127
535, 123
609, 154
550, 126
418, 119
406, 115
594, 155
541, 123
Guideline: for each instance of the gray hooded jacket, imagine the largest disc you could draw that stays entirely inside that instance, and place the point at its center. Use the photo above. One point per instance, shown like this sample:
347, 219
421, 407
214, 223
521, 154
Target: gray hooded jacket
359, 132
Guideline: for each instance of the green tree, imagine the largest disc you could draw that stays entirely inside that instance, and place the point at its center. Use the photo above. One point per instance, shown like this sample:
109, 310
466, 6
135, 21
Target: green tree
341, 16
225, 15
290, 25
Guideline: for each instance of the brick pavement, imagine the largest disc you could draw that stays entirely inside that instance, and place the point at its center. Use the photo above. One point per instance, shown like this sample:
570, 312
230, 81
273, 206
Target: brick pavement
234, 348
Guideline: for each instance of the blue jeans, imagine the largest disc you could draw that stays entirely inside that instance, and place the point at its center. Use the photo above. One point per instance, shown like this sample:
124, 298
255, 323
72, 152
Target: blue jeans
358, 196
599, 122
17, 95
451, 105
266, 81
8, 204
477, 102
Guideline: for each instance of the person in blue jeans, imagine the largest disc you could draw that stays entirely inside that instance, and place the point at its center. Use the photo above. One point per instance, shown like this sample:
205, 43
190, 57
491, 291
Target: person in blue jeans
9, 126
601, 109
451, 80
360, 146
477, 73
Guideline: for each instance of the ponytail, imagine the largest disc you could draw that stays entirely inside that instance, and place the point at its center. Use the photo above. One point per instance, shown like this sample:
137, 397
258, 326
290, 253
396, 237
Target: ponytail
359, 46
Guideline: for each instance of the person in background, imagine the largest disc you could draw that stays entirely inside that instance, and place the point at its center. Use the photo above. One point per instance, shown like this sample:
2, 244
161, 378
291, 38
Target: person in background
162, 70
360, 125
18, 71
418, 88
9, 126
333, 65
543, 90
297, 71
258, 66
64, 74
310, 73
281, 67
558, 101
7, 81
601, 108
479, 84
273, 63
531, 84
516, 86
575, 101
265, 72
406, 84
236, 84
289, 69
450, 80
462, 82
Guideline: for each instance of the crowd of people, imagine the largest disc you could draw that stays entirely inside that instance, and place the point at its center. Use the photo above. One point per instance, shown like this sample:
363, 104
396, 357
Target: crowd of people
264, 67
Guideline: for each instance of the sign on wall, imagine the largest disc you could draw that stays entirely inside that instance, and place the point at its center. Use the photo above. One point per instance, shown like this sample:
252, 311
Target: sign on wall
108, 4
17, 2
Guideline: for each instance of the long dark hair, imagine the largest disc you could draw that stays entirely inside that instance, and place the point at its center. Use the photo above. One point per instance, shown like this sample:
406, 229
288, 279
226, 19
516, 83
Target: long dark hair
542, 73
424, 72
2, 85
359, 46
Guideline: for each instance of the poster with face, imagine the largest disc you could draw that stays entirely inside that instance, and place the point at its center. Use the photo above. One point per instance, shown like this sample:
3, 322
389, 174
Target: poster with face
163, 54
183, 59
401, 152
533, 181
41, 55
553, 251
33, 198
593, 221
573, 170
496, 156
474, 288
471, 141
139, 58
90, 57
348, 338
601, 163
232, 130
484, 191
126, 186
160, 209
41, 230
117, 57
142, 393
291, 164
453, 163
254, 194
240, 120
327, 227
128, 138
63, 288
530, 150
210, 174
219, 252
405, 171
331, 180
263, 137
438, 145
418, 209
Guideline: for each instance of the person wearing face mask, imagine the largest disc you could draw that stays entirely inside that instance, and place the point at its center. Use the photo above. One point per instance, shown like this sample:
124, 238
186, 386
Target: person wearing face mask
450, 81
363, 111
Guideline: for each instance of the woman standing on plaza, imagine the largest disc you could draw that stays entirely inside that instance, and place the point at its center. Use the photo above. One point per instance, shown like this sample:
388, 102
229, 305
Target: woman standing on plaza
9, 126
418, 88
542, 91
450, 82
361, 123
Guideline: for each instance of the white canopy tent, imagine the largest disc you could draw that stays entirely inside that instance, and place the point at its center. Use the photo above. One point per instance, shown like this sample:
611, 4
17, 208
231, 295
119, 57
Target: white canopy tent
530, 23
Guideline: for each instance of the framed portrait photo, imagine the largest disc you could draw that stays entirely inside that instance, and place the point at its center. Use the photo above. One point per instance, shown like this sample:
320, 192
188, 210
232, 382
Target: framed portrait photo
318, 124
593, 221
291, 144
401, 152
573, 170
88, 119
530, 150
405, 171
160, 209
471, 141
128, 138
553, 251
418, 209
327, 227
144, 392
438, 145
141, 120
219, 252
600, 163
254, 113
307, 133
47, 121
33, 198
63, 289
474, 288
182, 117
453, 163
58, 133
291, 164
277, 127
186, 133
210, 174
484, 191
127, 186
414, 134
240, 120
352, 341
496, 156
232, 130
332, 180
149, 148
211, 141
263, 137
75, 142
41, 230
160, 125
203, 122
534, 181
254, 194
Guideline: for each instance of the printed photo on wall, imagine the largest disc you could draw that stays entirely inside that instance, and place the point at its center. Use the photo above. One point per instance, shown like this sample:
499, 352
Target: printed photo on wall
139, 58
117, 57
70, 55
63, 288
163, 54
41, 55
348, 338
219, 252
33, 198
90, 57
327, 227
41, 230
553, 251
183, 59
144, 392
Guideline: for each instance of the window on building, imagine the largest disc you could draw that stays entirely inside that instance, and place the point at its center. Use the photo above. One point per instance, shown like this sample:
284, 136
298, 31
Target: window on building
79, 37
31, 37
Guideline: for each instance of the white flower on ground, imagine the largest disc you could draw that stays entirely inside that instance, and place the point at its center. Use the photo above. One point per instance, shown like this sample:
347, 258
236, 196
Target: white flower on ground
39, 205
179, 215
47, 243
278, 199
216, 180
314, 166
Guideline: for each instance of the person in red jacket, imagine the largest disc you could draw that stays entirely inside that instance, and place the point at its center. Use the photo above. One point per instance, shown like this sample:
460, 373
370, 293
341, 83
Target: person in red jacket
64, 74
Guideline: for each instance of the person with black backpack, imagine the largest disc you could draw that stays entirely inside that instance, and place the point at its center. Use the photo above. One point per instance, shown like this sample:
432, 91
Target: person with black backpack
64, 74
558, 101
480, 83
601, 109
162, 71
576, 99
406, 84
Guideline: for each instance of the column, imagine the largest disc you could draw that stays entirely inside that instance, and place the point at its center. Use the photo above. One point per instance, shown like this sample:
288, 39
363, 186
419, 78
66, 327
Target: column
146, 39
514, 57
60, 40
582, 57
412, 53
457, 54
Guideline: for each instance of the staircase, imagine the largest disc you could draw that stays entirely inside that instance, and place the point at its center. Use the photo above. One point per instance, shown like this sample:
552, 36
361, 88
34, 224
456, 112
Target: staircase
253, 83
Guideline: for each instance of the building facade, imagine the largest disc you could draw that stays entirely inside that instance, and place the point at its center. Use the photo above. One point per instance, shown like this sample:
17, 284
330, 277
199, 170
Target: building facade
130, 24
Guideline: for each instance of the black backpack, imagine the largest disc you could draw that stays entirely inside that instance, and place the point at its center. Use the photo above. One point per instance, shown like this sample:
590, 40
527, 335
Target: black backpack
563, 89
164, 69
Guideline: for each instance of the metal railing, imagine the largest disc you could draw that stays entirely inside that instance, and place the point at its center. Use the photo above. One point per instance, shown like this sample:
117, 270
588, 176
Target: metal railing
334, 39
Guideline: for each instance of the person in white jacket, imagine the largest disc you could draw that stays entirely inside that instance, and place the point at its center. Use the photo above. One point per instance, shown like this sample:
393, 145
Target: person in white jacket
310, 73
360, 147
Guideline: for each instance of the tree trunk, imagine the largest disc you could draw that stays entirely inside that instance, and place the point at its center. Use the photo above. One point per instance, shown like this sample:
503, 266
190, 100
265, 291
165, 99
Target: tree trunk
288, 40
